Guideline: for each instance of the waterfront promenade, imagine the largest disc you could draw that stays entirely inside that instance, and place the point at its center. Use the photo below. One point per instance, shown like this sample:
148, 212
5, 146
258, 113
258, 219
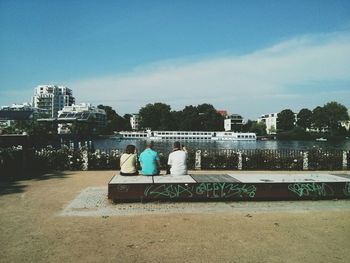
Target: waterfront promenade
66, 217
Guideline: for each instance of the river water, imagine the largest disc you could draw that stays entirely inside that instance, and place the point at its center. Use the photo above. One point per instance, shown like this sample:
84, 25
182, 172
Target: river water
166, 146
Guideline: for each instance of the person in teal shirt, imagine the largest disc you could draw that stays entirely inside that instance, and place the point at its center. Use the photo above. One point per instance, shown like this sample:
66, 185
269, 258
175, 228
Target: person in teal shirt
149, 160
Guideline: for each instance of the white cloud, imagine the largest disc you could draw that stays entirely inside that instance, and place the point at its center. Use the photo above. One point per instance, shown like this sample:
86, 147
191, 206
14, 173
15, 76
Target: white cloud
264, 81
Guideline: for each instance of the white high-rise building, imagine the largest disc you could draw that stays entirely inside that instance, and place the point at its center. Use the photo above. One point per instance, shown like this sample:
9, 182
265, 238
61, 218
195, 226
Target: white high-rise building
134, 122
270, 121
52, 98
233, 122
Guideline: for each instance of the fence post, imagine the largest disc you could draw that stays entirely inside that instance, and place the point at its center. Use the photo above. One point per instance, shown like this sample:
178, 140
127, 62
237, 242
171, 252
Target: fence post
305, 161
85, 165
197, 163
345, 160
240, 163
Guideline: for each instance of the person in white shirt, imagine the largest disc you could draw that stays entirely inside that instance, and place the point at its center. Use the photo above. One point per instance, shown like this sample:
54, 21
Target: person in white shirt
177, 160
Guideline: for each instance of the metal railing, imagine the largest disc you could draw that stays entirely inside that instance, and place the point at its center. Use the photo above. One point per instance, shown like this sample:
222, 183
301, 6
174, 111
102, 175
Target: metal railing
17, 160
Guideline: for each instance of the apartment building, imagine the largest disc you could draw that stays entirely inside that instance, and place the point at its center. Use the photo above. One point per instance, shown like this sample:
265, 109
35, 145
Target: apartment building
233, 122
83, 112
52, 98
270, 121
135, 122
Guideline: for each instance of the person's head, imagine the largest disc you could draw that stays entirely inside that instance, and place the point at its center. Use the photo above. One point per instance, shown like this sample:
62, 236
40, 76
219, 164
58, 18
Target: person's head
130, 149
149, 144
177, 145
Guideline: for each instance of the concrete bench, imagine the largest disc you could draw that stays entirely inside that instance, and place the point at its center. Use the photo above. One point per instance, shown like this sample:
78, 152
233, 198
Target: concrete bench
229, 187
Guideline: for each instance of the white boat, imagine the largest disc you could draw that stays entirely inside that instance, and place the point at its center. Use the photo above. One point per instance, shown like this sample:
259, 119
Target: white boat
321, 139
189, 135
133, 135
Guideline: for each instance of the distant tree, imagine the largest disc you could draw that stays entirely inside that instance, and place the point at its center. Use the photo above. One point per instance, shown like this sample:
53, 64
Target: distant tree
114, 121
156, 116
84, 129
285, 120
127, 124
175, 120
335, 112
319, 118
32, 127
246, 127
259, 128
210, 119
304, 118
203, 117
188, 119
127, 116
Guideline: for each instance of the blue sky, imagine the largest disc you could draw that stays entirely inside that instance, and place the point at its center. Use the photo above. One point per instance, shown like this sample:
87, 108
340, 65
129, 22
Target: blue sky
248, 57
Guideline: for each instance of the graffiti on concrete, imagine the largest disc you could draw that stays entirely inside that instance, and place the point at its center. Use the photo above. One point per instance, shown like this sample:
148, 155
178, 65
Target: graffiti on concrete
123, 188
169, 190
225, 190
209, 190
311, 189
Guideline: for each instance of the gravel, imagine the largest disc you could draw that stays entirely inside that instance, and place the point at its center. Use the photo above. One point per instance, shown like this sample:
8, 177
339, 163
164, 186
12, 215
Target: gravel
92, 201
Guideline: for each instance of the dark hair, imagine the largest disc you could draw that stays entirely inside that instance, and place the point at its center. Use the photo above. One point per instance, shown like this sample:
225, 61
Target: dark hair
130, 149
177, 145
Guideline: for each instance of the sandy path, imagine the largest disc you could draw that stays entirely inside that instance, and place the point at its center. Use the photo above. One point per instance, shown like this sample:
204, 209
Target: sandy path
32, 229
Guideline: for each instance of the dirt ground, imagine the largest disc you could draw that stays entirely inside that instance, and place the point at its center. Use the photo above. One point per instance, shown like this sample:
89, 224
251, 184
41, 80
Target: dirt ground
32, 230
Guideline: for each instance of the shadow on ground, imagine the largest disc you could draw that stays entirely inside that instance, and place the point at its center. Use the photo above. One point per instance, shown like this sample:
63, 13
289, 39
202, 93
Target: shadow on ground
18, 184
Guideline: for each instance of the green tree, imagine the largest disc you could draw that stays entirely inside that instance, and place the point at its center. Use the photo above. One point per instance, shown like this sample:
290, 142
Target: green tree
285, 120
32, 127
259, 128
189, 119
156, 116
127, 124
319, 118
84, 128
203, 117
114, 121
335, 112
210, 119
246, 127
304, 118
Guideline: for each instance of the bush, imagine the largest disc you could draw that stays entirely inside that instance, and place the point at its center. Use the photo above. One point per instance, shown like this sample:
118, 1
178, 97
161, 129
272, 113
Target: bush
100, 160
325, 160
11, 160
272, 160
219, 160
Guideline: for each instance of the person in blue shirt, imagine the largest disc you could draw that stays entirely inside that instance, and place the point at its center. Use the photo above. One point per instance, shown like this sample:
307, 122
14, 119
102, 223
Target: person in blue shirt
149, 160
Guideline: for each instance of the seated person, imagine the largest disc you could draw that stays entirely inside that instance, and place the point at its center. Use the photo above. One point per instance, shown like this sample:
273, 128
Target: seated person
177, 160
128, 160
149, 160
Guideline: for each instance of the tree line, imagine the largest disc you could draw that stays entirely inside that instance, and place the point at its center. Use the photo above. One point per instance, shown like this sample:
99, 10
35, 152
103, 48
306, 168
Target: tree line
204, 117
160, 116
325, 120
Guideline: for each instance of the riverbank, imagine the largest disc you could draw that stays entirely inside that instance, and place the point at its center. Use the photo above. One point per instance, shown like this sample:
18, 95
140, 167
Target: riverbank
36, 227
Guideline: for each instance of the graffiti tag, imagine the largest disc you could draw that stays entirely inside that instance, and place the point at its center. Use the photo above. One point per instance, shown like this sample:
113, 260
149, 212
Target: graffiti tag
169, 190
311, 189
210, 190
225, 190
